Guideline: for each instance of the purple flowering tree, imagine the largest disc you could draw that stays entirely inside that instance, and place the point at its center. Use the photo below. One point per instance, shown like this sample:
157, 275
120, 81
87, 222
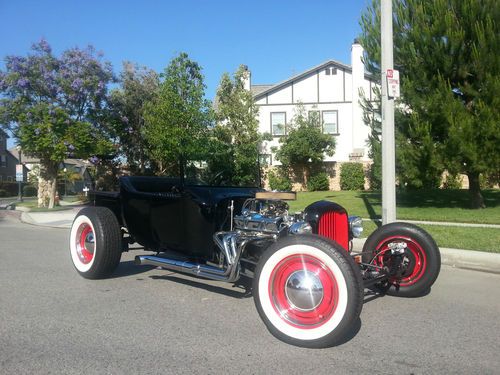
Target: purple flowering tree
56, 108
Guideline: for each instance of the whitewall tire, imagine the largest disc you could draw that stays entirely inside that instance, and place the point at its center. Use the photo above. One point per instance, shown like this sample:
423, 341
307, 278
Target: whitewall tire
95, 242
308, 291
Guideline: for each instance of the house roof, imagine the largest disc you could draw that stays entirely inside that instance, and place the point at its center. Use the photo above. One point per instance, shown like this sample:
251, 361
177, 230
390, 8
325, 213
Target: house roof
31, 160
259, 91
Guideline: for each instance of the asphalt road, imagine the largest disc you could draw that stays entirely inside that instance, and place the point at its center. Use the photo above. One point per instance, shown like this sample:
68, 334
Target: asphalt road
149, 321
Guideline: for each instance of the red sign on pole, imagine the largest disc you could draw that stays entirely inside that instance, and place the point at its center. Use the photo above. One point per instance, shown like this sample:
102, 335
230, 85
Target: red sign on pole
392, 83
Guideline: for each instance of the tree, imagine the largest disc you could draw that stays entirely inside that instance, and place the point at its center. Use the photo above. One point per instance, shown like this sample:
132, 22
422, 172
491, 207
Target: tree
305, 145
139, 85
447, 54
55, 108
235, 137
177, 119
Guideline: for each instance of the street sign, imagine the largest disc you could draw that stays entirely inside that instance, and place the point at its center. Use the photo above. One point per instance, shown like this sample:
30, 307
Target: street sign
392, 76
19, 173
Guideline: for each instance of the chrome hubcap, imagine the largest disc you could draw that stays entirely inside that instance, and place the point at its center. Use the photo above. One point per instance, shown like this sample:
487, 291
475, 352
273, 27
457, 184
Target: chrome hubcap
89, 242
304, 290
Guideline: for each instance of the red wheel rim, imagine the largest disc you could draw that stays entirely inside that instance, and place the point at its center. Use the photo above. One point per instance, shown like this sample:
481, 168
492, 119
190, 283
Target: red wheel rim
85, 243
415, 254
313, 272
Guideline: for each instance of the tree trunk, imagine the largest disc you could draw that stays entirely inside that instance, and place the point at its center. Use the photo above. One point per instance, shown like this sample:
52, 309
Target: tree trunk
47, 185
304, 177
477, 200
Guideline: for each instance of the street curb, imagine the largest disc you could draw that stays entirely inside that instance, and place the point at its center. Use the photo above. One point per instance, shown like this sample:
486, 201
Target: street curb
470, 259
27, 219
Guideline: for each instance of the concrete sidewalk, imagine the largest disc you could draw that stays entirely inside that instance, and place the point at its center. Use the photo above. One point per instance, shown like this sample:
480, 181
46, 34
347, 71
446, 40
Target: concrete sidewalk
467, 259
56, 219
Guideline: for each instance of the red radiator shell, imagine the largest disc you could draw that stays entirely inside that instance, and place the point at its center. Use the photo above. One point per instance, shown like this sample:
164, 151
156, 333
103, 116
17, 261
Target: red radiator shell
334, 225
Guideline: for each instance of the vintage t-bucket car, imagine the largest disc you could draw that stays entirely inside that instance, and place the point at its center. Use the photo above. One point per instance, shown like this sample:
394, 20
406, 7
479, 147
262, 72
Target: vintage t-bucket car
308, 286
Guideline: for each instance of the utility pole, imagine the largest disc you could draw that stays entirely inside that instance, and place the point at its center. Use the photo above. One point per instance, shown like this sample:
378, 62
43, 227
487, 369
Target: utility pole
388, 143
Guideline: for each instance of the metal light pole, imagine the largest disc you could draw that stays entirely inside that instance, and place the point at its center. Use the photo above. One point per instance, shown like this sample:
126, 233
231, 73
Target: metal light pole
65, 176
388, 143
19, 183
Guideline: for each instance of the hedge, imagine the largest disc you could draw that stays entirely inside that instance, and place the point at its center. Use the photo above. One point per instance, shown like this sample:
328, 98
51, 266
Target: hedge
318, 182
352, 176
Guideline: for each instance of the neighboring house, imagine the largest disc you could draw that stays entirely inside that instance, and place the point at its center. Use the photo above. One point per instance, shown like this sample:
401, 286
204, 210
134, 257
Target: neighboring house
333, 91
8, 160
73, 165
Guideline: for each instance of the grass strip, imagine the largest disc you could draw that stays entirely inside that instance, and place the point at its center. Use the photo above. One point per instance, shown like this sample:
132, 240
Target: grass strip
480, 239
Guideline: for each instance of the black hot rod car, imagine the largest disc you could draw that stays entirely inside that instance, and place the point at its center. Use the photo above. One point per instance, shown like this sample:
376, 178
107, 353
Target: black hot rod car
308, 286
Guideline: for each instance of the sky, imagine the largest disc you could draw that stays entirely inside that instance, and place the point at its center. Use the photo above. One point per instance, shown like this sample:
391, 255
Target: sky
276, 39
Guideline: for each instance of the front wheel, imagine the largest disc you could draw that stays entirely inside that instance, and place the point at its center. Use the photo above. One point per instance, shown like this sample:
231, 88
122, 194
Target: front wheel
308, 291
95, 242
416, 265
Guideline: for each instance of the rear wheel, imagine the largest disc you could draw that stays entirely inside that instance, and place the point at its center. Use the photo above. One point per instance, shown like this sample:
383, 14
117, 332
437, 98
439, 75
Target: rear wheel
418, 265
308, 291
95, 242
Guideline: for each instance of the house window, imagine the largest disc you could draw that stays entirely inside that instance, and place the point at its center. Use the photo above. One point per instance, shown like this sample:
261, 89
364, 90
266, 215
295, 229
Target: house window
3, 160
330, 124
278, 123
265, 160
330, 71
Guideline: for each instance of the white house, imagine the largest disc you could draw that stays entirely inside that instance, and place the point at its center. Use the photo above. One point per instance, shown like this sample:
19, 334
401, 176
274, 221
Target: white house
332, 89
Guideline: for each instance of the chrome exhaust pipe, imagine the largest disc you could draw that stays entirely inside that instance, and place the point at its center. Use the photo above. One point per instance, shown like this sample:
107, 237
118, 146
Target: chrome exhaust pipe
196, 269
231, 245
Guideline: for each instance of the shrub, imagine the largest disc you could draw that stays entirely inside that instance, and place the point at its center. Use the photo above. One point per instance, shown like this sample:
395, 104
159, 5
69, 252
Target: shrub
352, 176
29, 191
318, 182
82, 197
278, 181
452, 182
375, 176
489, 180
3, 193
11, 188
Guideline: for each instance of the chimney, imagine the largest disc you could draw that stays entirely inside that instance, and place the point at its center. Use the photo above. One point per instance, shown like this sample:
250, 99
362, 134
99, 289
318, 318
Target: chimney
247, 78
359, 130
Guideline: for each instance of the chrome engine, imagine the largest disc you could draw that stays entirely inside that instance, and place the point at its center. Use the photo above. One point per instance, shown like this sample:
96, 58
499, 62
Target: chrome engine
269, 217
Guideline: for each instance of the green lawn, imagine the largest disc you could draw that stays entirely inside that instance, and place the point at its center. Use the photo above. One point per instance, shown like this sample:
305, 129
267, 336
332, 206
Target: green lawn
32, 204
433, 205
